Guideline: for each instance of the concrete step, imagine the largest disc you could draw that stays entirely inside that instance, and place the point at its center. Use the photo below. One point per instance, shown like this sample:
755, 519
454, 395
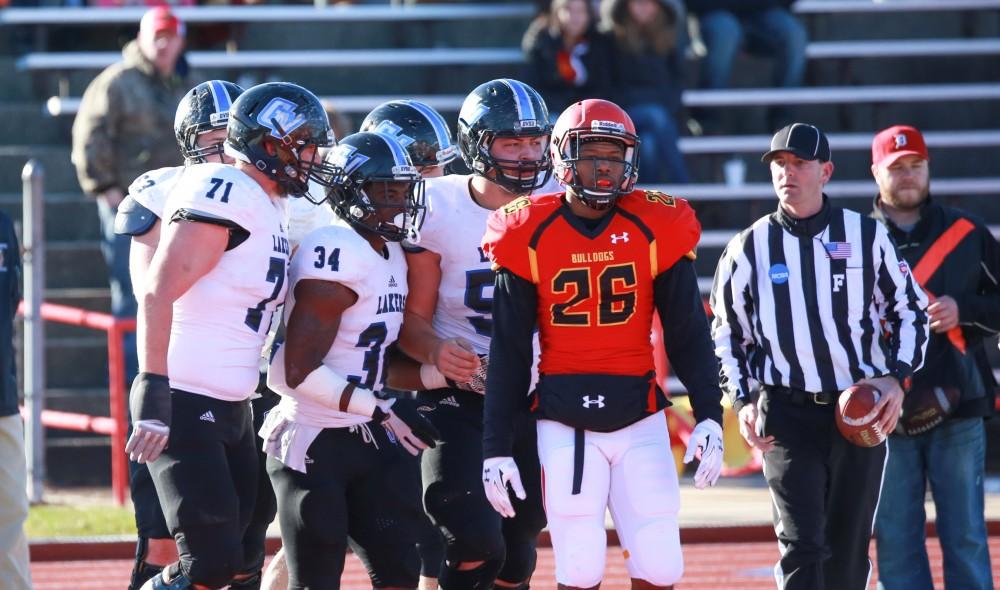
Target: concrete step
59, 173
75, 264
68, 216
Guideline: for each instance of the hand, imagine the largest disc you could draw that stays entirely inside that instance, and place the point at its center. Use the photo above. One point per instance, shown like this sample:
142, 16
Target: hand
149, 404
943, 313
498, 472
477, 384
456, 359
890, 403
411, 428
748, 428
112, 196
706, 438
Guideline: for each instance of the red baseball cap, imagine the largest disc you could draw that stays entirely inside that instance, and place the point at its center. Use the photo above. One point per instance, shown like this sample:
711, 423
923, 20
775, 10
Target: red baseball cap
895, 142
160, 20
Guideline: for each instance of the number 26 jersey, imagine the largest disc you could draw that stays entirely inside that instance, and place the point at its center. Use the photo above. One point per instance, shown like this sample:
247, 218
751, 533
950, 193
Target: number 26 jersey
220, 323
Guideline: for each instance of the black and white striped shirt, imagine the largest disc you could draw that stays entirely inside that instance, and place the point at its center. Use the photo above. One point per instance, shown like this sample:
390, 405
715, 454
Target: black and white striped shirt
815, 305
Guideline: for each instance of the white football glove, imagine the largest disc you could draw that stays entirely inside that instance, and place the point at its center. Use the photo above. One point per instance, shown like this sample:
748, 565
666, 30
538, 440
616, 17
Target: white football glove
498, 472
706, 438
149, 438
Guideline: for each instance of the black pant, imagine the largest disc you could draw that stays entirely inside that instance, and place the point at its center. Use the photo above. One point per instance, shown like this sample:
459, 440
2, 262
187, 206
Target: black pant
825, 492
266, 505
453, 488
206, 480
355, 489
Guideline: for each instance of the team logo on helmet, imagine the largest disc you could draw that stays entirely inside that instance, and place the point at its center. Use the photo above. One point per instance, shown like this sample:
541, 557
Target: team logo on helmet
347, 158
280, 117
387, 127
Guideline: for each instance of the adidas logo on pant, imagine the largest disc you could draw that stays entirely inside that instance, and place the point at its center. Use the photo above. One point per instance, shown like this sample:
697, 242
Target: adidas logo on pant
208, 417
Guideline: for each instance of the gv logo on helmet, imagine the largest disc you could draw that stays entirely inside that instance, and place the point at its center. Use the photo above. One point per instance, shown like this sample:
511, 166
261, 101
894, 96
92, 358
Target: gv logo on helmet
387, 127
280, 117
345, 157
593, 400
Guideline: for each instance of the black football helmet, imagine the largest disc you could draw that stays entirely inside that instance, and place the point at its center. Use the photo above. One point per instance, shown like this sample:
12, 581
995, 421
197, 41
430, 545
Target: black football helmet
362, 160
204, 108
270, 125
504, 108
417, 127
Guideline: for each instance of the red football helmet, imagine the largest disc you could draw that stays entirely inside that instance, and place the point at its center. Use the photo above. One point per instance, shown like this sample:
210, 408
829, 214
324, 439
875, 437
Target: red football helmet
594, 120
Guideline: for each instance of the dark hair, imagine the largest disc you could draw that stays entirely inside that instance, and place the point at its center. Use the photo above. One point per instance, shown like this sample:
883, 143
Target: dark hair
660, 35
553, 21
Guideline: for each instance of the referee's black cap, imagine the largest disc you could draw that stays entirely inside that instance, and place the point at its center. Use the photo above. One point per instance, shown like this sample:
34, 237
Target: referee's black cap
802, 139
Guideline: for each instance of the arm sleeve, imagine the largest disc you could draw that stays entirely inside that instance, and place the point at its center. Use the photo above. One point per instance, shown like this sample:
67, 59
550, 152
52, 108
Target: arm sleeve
982, 310
95, 135
732, 308
686, 338
515, 309
905, 309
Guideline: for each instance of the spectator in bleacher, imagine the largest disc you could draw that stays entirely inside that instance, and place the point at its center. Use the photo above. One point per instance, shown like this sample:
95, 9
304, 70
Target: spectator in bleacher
759, 27
647, 76
569, 59
125, 127
14, 569
957, 260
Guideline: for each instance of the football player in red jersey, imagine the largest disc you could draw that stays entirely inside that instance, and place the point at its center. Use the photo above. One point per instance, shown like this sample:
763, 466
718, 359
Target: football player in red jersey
589, 267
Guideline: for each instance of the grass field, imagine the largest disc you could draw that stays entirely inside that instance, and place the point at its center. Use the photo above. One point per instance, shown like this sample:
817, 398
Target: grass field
56, 520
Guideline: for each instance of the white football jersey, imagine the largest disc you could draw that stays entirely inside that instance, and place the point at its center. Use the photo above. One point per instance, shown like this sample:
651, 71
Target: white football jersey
152, 188
220, 323
453, 228
304, 216
339, 254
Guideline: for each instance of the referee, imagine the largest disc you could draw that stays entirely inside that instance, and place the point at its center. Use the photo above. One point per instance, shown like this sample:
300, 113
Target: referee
808, 301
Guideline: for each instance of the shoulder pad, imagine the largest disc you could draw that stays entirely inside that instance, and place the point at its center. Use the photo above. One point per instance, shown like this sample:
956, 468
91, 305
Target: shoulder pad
509, 231
672, 222
133, 219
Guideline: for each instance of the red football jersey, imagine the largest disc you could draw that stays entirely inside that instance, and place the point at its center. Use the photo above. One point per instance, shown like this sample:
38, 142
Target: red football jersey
595, 287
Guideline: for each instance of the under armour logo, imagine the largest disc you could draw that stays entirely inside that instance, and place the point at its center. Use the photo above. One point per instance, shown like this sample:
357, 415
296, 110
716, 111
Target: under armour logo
593, 401
900, 141
838, 282
615, 238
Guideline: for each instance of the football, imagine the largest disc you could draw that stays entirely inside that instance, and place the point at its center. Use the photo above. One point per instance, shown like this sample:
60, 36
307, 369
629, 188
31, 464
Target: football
856, 418
926, 407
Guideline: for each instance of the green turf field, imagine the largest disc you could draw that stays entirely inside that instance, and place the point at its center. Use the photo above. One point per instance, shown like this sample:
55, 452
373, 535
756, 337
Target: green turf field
50, 520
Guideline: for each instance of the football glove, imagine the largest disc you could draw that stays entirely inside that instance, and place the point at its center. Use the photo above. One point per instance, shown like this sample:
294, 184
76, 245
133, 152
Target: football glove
402, 420
149, 404
706, 438
477, 383
498, 473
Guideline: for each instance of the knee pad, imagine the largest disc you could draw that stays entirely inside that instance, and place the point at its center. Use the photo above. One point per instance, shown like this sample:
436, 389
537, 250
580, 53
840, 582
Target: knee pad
251, 582
475, 546
480, 578
179, 582
580, 546
519, 565
214, 571
655, 556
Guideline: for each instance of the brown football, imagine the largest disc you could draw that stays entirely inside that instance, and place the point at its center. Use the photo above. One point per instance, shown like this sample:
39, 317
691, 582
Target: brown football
856, 418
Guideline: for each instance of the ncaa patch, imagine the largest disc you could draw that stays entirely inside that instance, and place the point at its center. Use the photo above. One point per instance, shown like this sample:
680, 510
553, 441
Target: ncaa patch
904, 267
778, 274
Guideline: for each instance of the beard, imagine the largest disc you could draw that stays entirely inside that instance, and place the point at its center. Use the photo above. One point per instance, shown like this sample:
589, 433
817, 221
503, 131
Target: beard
910, 197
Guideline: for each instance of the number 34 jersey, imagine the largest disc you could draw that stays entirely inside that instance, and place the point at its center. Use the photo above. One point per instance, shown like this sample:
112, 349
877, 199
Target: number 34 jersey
595, 286
220, 323
337, 253
453, 229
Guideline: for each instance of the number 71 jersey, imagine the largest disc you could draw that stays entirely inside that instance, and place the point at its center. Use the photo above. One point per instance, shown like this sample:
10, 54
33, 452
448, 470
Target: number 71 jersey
220, 323
594, 285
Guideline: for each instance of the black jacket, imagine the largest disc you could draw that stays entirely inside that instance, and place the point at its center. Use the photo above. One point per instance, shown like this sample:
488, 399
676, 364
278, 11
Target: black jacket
10, 296
970, 274
741, 7
542, 49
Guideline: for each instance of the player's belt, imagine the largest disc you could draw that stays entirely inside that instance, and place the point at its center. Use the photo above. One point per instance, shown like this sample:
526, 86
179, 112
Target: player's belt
800, 397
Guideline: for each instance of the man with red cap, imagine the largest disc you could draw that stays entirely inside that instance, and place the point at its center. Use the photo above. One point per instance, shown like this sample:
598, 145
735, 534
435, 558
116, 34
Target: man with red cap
940, 436
125, 127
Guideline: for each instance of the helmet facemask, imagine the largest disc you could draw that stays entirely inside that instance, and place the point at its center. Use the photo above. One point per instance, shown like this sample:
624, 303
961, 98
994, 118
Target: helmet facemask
517, 176
293, 171
602, 189
361, 202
